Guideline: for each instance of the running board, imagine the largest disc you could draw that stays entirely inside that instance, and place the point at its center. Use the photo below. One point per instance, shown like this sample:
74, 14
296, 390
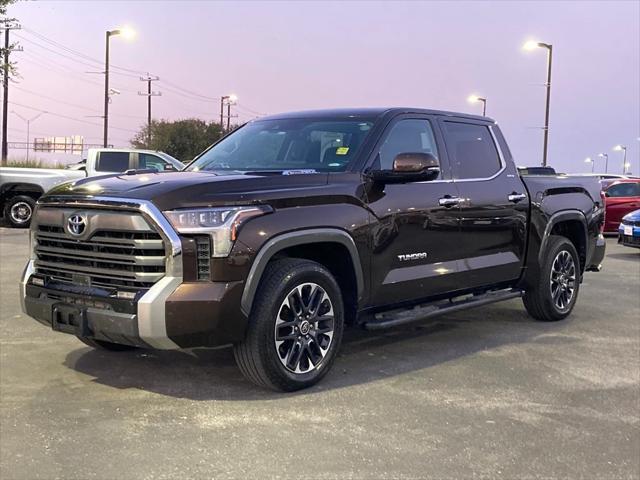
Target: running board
423, 312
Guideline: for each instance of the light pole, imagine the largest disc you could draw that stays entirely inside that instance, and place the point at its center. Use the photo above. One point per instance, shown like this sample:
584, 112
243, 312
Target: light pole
530, 45
622, 148
127, 33
590, 160
606, 160
28, 121
476, 99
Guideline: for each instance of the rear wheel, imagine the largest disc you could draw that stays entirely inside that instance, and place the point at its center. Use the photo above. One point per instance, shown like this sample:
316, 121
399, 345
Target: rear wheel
295, 326
553, 290
102, 345
18, 211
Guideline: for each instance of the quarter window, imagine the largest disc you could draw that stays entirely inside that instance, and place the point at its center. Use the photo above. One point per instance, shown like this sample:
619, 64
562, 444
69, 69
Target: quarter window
472, 151
407, 136
113, 162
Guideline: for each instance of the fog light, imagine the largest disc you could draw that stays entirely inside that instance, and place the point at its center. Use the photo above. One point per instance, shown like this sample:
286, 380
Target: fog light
126, 295
37, 281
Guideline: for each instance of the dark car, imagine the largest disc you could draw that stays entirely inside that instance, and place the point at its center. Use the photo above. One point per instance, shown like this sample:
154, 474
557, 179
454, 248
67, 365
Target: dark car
629, 230
296, 225
622, 197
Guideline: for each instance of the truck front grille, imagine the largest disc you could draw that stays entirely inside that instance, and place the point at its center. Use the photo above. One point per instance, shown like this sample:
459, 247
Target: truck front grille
107, 258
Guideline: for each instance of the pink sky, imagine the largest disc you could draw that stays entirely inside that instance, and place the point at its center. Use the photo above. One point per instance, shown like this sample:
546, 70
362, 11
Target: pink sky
283, 56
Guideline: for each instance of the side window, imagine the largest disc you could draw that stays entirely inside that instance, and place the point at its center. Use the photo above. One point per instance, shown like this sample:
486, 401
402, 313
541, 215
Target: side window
407, 136
624, 190
151, 161
472, 152
113, 162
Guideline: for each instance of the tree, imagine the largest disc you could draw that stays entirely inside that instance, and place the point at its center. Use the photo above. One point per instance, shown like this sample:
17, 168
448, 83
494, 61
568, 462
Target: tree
183, 139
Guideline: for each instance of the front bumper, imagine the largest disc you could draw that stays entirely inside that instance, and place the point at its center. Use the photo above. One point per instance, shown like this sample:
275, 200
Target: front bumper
630, 237
169, 315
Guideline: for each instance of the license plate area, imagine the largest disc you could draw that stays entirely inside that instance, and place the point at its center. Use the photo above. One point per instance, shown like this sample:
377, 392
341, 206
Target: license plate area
69, 319
628, 230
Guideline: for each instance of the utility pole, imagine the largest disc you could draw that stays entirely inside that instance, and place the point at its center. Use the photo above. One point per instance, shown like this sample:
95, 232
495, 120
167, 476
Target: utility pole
149, 94
227, 100
5, 84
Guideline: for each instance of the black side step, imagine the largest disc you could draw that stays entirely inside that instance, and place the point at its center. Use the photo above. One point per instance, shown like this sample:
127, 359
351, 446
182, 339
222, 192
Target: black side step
422, 312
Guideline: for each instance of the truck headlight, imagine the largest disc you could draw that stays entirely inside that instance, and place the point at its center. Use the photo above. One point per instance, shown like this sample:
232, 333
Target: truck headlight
222, 223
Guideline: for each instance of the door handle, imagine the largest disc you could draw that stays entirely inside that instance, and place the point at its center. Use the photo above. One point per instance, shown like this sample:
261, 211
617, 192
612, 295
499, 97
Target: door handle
516, 197
449, 201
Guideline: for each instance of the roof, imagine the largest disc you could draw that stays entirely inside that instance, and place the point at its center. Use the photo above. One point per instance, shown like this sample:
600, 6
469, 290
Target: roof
368, 113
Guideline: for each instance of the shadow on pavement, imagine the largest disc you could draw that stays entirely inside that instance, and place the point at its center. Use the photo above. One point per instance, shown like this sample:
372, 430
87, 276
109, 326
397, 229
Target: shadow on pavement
632, 254
211, 374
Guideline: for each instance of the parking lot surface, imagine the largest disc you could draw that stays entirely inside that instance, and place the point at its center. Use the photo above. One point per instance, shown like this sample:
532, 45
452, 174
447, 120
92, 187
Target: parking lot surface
481, 393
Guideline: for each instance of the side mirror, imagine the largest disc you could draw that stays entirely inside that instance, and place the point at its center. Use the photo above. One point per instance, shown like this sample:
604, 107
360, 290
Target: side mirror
168, 167
410, 167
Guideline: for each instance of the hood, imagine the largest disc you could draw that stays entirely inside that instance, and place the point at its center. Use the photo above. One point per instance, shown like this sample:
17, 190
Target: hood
633, 216
190, 189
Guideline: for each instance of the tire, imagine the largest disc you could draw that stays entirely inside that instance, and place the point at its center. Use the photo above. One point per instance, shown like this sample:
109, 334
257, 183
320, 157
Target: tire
102, 345
285, 349
553, 289
18, 211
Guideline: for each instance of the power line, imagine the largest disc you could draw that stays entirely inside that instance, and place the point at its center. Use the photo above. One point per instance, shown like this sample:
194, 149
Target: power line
82, 58
55, 114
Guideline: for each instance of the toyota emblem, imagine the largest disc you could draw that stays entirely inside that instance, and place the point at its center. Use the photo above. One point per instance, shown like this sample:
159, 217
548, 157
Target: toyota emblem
76, 224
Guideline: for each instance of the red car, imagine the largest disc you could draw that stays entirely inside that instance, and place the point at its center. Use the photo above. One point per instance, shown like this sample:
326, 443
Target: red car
621, 197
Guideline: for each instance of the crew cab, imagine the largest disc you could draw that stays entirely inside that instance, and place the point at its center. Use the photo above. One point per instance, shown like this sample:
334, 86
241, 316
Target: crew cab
21, 187
298, 224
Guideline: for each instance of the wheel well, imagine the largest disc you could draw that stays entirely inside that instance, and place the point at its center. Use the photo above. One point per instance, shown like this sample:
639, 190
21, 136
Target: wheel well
12, 189
574, 231
337, 259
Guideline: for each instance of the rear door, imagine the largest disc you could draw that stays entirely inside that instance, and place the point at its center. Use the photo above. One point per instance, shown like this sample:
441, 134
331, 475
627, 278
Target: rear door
493, 203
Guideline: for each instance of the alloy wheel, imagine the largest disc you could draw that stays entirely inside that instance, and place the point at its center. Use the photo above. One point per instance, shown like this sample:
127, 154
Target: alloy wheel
21, 212
304, 328
563, 280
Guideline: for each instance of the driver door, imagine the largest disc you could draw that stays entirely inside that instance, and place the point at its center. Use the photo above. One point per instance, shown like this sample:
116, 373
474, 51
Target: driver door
413, 234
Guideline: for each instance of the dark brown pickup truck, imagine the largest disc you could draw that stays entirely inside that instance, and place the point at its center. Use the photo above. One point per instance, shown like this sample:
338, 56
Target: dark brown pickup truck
295, 225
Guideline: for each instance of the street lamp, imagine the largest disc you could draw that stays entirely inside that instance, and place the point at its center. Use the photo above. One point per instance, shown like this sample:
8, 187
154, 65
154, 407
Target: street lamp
531, 45
127, 33
28, 120
476, 99
606, 160
622, 148
227, 100
590, 160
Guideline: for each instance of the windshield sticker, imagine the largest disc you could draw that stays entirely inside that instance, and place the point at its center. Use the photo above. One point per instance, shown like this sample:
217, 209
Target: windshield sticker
301, 171
342, 150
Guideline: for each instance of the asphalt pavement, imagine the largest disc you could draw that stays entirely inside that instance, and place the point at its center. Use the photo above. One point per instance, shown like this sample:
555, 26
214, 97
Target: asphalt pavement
484, 393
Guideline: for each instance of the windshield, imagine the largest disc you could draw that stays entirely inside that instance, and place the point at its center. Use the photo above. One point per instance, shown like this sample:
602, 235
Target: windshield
293, 144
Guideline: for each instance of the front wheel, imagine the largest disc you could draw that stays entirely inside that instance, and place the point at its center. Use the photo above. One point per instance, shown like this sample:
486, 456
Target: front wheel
295, 326
554, 286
